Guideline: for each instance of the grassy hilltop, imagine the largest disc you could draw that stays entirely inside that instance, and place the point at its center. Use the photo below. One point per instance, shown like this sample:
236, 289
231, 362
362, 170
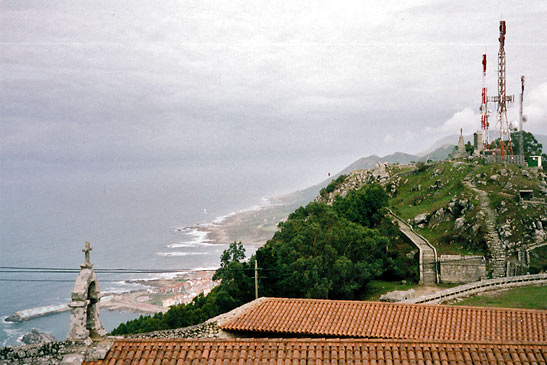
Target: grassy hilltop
442, 200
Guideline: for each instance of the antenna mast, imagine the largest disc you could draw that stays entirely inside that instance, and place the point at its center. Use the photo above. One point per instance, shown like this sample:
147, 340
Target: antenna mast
484, 107
521, 117
502, 98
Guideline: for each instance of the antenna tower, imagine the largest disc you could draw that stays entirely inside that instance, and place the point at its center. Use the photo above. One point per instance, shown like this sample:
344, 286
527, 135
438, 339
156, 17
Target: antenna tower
484, 107
522, 118
506, 146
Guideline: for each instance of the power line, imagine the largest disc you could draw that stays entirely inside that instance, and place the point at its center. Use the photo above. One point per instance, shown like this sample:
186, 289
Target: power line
98, 270
51, 280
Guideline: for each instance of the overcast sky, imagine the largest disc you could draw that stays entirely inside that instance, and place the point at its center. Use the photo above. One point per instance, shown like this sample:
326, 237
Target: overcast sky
113, 82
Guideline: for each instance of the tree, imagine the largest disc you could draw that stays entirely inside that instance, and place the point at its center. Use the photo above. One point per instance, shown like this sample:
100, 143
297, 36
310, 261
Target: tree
469, 147
363, 206
320, 251
235, 252
531, 146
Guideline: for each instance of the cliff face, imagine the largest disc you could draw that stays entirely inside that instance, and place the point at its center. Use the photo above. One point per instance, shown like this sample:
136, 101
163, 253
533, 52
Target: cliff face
494, 210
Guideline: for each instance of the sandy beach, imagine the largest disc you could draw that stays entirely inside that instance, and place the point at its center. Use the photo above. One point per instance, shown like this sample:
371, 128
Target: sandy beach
254, 226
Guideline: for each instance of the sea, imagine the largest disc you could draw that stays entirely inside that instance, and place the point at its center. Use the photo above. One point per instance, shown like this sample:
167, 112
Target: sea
135, 217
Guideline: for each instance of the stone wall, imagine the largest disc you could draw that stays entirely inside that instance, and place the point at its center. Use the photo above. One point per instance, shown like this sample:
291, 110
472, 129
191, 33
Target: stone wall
461, 269
49, 353
207, 329
202, 330
54, 353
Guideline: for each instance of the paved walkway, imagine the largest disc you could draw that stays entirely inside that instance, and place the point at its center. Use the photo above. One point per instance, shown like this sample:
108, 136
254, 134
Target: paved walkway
428, 255
499, 255
476, 287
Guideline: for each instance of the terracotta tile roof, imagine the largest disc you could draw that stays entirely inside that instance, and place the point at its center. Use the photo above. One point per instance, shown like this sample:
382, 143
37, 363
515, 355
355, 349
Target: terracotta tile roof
319, 351
334, 318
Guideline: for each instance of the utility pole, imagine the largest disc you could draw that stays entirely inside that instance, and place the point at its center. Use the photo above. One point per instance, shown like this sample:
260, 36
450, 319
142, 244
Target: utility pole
256, 278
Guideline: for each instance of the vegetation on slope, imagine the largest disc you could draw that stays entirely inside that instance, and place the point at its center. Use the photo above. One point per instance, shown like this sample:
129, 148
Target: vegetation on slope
452, 218
336, 250
321, 251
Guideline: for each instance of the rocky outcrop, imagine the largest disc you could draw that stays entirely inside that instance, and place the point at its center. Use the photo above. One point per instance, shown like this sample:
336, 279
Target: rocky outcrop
455, 210
36, 337
358, 178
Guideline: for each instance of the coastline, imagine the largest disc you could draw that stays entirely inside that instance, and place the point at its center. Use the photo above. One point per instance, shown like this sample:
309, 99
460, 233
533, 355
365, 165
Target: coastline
254, 226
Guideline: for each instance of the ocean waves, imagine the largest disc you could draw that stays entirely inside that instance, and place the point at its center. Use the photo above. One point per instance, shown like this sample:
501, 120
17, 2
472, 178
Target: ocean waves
185, 253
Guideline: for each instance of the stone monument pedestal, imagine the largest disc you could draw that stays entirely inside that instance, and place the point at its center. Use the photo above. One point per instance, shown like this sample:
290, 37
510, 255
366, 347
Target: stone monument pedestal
85, 323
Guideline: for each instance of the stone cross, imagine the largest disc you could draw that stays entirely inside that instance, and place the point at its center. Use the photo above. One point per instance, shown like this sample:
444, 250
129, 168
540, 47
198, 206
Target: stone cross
86, 250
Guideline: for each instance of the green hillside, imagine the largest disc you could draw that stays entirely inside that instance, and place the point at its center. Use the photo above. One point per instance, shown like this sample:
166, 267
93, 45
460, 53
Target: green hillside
441, 199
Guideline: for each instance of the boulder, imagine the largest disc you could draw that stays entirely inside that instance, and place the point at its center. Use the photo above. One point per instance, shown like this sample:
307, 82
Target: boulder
438, 217
397, 296
35, 337
421, 218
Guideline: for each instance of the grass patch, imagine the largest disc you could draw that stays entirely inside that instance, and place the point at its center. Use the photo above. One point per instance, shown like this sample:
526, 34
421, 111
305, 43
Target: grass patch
538, 260
377, 288
531, 297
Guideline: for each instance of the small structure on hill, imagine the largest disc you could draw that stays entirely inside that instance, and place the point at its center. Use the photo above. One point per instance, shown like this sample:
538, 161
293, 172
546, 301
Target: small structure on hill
535, 161
85, 323
478, 144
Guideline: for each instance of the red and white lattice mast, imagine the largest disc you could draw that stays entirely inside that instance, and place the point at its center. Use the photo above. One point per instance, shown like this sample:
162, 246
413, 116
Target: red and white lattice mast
484, 107
506, 146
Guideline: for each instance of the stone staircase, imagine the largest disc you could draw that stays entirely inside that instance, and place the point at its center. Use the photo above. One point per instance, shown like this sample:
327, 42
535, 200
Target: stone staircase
498, 260
428, 255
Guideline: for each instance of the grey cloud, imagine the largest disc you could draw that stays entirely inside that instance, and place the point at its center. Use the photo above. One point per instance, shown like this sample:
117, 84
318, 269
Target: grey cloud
145, 81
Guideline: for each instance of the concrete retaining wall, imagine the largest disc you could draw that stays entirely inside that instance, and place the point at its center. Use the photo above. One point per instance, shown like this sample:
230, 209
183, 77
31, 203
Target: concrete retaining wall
479, 287
461, 269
